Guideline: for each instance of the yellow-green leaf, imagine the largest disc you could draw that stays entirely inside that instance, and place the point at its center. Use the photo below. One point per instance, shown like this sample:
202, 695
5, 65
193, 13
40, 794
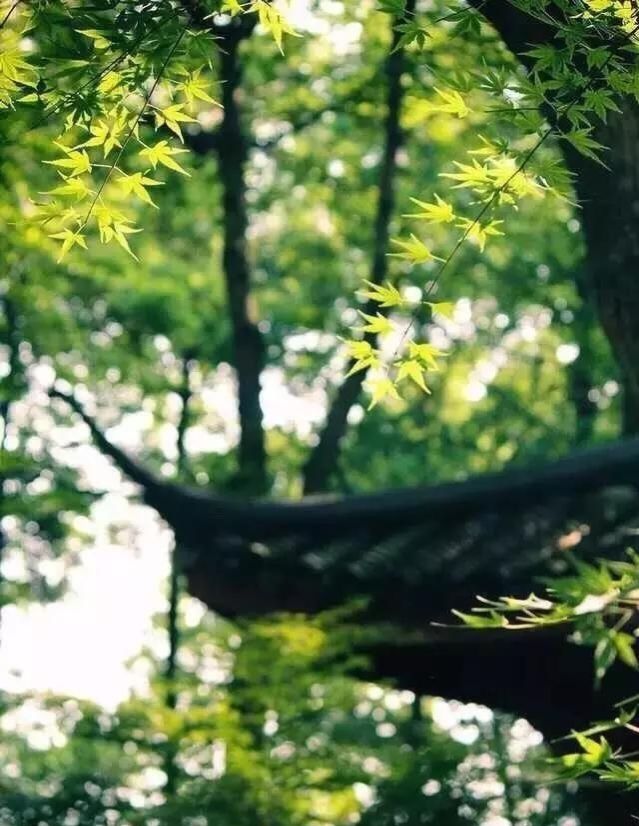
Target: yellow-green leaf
440, 212
69, 240
77, 162
413, 370
413, 250
136, 184
173, 116
385, 296
442, 308
377, 323
380, 389
426, 353
162, 153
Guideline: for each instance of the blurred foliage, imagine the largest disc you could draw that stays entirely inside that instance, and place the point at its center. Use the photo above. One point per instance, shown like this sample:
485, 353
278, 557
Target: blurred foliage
270, 725
598, 603
271, 728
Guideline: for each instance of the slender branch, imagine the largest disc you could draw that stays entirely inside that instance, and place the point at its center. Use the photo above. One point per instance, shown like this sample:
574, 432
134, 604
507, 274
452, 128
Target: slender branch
607, 199
172, 620
124, 462
205, 143
70, 97
554, 129
133, 127
12, 8
323, 460
13, 341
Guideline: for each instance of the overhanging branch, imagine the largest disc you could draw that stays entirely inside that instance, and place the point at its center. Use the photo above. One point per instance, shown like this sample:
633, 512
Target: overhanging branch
135, 472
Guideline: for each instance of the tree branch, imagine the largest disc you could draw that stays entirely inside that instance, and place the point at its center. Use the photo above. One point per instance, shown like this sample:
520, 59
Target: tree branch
608, 199
518, 30
323, 460
125, 463
205, 143
175, 566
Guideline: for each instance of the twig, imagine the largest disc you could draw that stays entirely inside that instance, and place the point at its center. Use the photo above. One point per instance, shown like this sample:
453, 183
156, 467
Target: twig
134, 125
9, 13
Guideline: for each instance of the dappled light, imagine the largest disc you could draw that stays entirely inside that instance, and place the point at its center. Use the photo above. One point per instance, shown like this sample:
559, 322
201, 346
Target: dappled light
319, 403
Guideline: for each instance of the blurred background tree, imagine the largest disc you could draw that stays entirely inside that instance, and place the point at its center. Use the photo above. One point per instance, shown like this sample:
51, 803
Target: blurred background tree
216, 359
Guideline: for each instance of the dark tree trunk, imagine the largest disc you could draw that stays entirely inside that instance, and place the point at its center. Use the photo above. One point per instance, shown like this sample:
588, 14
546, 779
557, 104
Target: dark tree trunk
248, 346
12, 386
609, 200
581, 375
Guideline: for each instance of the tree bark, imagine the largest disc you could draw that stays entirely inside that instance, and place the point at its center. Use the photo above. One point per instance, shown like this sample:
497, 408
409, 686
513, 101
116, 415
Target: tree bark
609, 201
248, 346
581, 375
175, 586
323, 460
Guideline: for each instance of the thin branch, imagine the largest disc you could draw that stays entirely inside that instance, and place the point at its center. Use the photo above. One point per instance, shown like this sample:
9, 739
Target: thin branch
553, 129
323, 460
69, 97
5, 19
123, 461
172, 620
133, 127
